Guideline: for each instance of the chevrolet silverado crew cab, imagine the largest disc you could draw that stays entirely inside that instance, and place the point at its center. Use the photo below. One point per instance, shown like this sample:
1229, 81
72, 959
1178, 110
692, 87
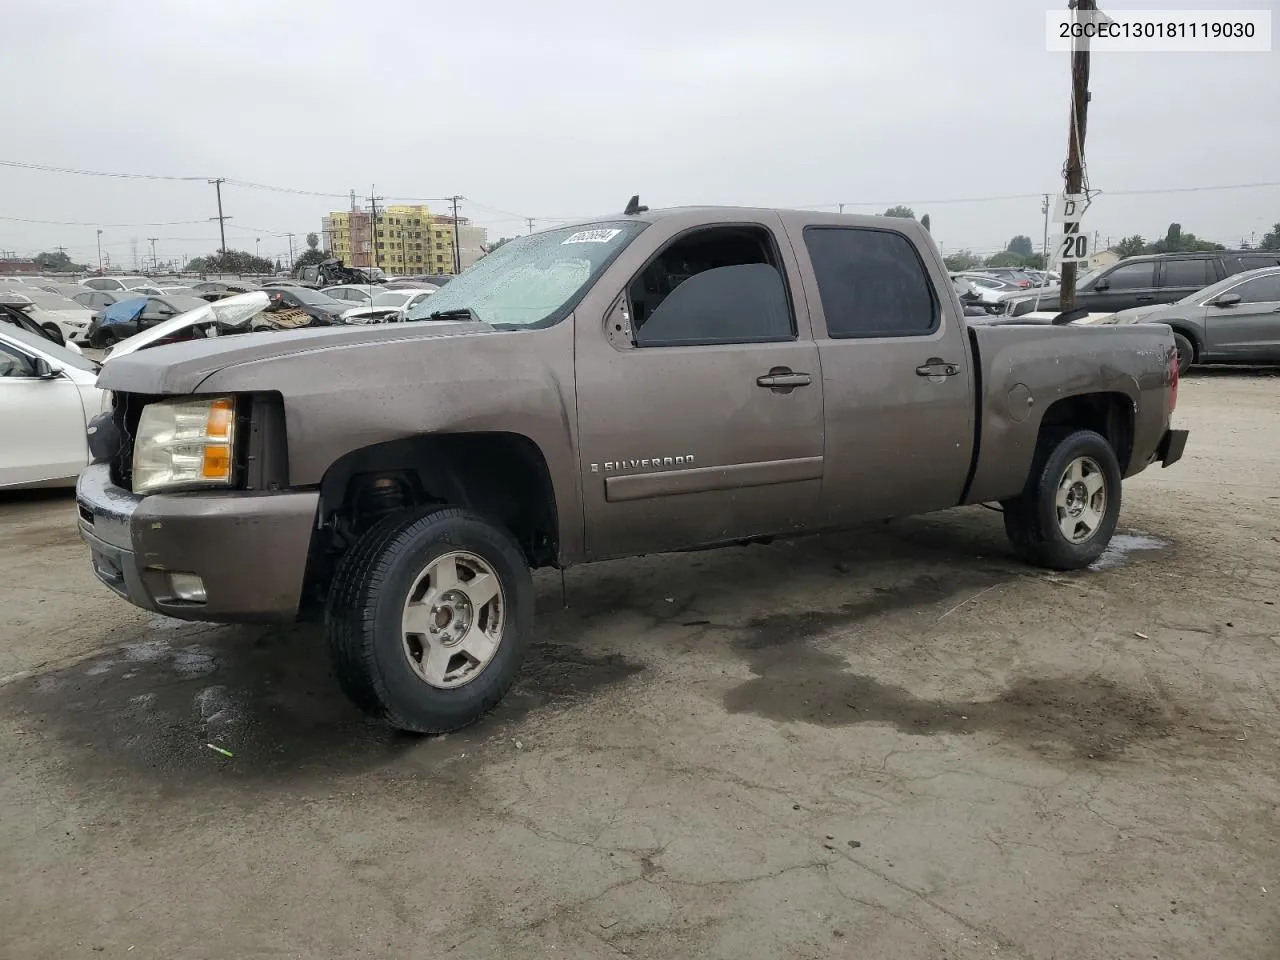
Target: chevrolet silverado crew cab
650, 382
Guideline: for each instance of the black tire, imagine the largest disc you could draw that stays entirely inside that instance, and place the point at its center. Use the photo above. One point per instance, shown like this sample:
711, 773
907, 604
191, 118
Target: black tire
1186, 352
363, 619
1031, 519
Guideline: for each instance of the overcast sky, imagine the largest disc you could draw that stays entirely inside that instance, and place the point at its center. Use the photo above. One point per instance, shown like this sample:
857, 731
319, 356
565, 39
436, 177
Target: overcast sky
560, 108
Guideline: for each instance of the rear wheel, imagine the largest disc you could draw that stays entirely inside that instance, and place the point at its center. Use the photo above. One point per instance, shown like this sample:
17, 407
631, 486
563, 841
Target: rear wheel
1186, 352
1067, 513
428, 619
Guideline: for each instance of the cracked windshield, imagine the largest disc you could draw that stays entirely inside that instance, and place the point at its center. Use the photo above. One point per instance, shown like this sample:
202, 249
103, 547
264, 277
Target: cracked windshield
527, 281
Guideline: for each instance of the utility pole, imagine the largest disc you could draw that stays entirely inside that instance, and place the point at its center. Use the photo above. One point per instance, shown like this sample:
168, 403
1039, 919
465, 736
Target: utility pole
290, 236
1075, 141
840, 207
457, 256
155, 267
1044, 250
222, 225
100, 250
529, 221
373, 200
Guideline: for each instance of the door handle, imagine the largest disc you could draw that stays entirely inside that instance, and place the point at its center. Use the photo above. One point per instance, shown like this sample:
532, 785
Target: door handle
937, 368
1144, 299
783, 379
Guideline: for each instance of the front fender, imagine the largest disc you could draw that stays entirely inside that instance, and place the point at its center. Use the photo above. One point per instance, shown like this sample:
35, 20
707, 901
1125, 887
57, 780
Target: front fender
341, 400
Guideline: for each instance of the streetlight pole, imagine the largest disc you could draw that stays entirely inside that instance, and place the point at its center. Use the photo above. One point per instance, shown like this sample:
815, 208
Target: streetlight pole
100, 270
155, 266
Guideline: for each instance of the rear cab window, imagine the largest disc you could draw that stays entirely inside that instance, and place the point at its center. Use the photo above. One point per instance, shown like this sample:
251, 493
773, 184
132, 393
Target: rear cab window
872, 283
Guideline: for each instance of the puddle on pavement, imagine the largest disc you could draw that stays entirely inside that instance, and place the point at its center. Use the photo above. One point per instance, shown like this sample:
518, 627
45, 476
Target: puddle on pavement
267, 696
1090, 718
1122, 545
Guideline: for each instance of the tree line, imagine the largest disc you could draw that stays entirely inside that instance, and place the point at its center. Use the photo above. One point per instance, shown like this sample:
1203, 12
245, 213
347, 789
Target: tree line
1019, 252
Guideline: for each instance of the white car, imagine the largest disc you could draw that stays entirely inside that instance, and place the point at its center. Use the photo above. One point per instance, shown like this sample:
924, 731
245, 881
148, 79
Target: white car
990, 289
357, 294
47, 398
115, 283
391, 306
72, 319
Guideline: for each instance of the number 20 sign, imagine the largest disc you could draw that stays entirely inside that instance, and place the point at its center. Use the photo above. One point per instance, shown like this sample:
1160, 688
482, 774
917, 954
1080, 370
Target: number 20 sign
1070, 248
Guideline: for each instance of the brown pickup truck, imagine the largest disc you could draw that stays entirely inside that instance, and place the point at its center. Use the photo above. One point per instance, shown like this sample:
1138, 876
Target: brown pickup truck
649, 382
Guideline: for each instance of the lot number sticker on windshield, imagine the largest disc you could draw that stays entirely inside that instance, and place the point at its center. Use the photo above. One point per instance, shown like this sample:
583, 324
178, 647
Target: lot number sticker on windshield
591, 236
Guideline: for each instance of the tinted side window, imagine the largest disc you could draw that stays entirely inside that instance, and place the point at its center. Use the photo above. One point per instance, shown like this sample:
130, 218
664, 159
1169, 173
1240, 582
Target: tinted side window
1132, 276
1260, 290
872, 283
1239, 264
720, 285
1188, 273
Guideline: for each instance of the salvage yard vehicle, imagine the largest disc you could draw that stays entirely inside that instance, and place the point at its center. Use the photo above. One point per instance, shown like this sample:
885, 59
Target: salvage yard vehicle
332, 272
53, 312
1236, 320
390, 306
47, 397
649, 382
1145, 281
126, 318
115, 283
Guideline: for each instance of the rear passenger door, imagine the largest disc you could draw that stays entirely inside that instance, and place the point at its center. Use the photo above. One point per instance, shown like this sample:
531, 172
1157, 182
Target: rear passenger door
1181, 278
896, 379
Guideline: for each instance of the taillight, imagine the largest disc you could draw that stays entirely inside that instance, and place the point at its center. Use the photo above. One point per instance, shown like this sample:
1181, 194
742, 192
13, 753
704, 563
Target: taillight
1173, 381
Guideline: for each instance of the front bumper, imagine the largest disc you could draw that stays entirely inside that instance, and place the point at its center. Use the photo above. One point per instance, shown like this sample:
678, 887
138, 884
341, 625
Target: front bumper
1172, 444
249, 549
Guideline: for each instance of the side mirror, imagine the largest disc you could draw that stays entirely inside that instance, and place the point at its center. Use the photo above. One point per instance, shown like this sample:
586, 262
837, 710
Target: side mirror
1101, 284
1226, 300
43, 369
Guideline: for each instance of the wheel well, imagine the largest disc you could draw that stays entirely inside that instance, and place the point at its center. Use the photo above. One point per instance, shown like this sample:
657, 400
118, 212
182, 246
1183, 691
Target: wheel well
1110, 414
1191, 335
502, 477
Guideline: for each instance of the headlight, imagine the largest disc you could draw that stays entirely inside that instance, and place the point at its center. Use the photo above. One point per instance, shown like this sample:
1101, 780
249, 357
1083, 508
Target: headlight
184, 443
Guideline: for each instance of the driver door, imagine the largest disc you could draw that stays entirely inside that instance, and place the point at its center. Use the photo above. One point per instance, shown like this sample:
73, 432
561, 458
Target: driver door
42, 429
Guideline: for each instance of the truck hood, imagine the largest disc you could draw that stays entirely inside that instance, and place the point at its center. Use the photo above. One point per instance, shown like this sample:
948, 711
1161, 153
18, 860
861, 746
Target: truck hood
182, 367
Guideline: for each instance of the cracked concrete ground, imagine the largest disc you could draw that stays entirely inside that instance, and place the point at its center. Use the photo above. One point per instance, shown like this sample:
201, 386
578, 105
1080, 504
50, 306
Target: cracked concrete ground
897, 742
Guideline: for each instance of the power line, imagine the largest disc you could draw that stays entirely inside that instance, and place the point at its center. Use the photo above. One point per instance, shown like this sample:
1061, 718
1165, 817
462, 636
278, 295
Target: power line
82, 223
274, 189
92, 173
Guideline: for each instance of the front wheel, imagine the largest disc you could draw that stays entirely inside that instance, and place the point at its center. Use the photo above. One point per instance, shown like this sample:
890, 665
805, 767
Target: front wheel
1186, 352
1067, 513
428, 618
